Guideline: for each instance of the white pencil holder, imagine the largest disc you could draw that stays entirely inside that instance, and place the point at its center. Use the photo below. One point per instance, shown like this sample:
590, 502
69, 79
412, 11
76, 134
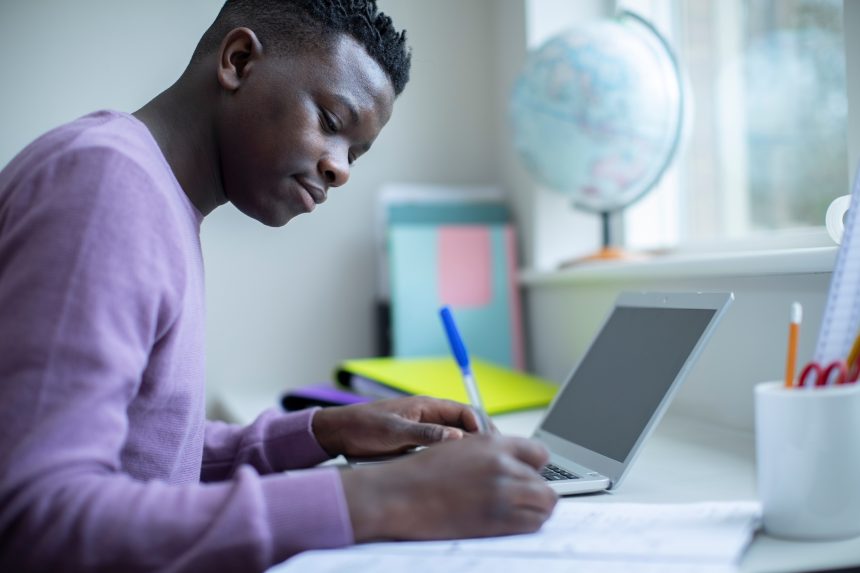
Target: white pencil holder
808, 460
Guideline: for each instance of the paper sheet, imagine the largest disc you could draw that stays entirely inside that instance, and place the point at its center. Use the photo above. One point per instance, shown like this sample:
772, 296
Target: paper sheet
601, 537
349, 561
841, 320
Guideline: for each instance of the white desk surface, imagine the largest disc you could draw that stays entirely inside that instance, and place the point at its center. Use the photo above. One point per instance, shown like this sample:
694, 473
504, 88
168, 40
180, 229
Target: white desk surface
685, 460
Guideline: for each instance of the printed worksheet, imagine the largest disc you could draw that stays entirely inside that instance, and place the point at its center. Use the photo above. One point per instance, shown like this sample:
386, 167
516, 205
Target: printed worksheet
601, 537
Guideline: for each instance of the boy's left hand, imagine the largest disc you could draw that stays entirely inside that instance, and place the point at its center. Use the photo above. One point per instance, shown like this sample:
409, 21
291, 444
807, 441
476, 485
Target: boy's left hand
391, 426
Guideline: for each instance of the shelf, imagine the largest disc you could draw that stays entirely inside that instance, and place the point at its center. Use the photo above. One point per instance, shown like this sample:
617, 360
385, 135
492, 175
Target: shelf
747, 263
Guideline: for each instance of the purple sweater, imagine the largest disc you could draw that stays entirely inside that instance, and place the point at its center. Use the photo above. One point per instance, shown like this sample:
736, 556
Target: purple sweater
106, 460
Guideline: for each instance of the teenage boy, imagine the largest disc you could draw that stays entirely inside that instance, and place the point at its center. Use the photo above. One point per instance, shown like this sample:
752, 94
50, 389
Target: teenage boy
106, 460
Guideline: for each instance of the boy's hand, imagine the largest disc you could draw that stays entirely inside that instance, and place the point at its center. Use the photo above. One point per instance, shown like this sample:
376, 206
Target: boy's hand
391, 426
486, 485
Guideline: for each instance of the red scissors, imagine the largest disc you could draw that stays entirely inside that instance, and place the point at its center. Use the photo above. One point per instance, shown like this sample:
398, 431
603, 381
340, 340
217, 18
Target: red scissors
837, 372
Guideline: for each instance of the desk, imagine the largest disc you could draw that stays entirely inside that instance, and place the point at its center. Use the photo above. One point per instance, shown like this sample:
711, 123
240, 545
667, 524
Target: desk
684, 461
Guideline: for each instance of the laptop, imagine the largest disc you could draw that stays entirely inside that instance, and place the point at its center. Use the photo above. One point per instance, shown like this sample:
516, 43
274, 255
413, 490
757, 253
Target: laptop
616, 395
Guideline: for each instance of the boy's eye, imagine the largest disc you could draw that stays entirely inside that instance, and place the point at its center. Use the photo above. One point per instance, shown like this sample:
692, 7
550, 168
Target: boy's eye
330, 122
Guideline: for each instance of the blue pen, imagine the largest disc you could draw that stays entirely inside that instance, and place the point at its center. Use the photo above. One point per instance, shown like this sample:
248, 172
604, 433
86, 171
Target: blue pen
462, 357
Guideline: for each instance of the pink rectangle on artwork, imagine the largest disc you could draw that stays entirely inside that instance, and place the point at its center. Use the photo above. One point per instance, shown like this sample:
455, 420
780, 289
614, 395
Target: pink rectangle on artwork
465, 265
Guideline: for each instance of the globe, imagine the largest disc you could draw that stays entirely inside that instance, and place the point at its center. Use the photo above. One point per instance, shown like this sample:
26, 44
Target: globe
597, 112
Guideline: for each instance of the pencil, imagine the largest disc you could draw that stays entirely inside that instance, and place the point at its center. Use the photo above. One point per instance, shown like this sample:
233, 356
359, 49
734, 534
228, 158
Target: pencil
851, 361
793, 336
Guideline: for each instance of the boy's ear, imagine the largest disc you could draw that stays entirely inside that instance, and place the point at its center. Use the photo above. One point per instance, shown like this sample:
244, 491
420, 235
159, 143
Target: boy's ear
240, 49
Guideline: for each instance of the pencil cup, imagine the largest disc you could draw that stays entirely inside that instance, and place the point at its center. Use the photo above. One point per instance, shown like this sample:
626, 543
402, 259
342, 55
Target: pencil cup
808, 460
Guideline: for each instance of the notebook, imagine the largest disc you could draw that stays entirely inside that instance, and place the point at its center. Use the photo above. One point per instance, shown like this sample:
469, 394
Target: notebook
613, 399
502, 389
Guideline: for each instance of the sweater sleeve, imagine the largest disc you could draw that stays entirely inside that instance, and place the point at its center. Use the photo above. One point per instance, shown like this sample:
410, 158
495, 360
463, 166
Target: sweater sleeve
83, 304
275, 441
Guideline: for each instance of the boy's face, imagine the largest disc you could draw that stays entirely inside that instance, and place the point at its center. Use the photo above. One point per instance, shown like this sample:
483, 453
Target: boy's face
295, 125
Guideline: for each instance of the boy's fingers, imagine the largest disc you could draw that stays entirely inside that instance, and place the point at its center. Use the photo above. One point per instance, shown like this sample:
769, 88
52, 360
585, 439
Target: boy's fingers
528, 451
428, 434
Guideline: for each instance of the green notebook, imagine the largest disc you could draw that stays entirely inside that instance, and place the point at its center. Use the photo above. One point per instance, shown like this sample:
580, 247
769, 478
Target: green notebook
502, 389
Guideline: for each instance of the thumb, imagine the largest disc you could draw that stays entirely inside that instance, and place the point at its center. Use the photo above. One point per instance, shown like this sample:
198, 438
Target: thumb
424, 434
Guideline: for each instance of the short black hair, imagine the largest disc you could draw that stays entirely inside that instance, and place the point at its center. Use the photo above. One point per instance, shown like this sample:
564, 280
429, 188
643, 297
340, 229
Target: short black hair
297, 24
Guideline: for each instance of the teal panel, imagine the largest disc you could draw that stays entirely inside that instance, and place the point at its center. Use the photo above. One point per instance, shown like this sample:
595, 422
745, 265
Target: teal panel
448, 213
415, 301
413, 258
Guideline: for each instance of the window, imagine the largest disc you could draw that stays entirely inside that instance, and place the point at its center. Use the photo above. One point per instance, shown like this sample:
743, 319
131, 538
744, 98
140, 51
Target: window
766, 150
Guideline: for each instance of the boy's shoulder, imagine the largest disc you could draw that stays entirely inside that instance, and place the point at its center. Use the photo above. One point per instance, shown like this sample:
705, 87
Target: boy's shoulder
106, 156
102, 134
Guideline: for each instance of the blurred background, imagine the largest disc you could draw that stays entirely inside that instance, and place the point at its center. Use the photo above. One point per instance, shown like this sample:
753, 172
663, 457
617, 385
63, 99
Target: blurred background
766, 150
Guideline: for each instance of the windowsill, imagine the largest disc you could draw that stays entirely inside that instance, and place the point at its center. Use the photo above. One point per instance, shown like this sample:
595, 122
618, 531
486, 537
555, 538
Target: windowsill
725, 264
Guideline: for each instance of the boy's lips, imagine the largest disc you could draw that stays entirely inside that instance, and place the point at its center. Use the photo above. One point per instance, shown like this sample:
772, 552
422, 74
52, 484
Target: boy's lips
318, 194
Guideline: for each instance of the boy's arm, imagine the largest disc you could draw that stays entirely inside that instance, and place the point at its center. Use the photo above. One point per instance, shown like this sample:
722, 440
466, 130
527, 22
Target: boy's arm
79, 319
275, 441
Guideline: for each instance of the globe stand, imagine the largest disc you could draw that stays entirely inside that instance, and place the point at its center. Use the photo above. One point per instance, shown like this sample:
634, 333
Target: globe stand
607, 252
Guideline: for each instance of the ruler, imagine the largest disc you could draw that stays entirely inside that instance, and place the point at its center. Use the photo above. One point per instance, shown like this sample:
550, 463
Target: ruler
841, 321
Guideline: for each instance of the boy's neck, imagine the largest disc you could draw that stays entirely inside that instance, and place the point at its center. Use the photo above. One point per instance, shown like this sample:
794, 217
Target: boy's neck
183, 124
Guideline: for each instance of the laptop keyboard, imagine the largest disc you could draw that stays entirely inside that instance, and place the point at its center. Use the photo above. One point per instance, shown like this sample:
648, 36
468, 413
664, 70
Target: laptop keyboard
551, 472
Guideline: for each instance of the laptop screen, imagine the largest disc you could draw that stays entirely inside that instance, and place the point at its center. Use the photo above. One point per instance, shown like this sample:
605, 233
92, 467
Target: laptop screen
624, 375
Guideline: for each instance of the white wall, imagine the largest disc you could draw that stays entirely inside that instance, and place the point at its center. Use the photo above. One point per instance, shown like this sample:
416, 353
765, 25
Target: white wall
284, 304
66, 59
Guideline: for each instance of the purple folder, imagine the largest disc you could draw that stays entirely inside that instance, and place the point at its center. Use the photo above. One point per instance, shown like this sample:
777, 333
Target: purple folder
323, 394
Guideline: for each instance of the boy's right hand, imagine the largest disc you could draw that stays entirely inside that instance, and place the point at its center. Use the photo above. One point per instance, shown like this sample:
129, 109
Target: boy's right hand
481, 486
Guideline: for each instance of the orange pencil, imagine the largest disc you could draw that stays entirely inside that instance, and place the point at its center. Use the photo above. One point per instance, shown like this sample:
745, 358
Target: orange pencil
851, 361
793, 336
